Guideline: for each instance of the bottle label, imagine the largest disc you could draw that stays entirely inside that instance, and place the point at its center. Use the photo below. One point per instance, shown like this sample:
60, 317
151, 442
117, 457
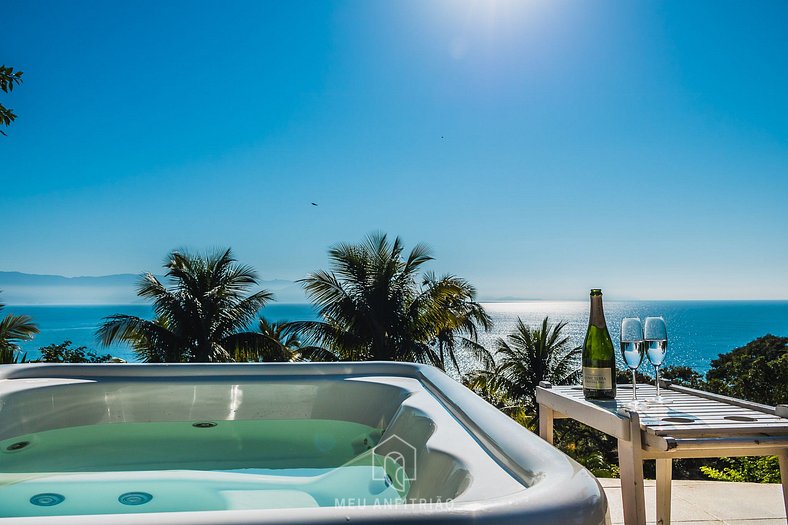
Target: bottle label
597, 378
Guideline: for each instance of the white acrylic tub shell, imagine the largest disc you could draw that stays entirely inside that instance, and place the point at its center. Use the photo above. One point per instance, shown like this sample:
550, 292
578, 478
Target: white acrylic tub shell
475, 464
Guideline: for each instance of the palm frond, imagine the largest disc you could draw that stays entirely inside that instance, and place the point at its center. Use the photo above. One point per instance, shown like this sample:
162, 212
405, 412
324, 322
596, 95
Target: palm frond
254, 346
15, 329
317, 353
150, 340
480, 354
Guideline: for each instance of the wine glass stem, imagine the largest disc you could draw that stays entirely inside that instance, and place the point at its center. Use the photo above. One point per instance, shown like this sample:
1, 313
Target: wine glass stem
657, 369
634, 394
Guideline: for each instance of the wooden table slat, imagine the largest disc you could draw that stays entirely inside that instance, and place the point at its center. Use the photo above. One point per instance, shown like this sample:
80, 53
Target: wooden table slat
591, 414
660, 423
710, 431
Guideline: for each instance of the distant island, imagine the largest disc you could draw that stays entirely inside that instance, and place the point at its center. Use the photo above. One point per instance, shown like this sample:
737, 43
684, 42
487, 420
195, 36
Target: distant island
31, 289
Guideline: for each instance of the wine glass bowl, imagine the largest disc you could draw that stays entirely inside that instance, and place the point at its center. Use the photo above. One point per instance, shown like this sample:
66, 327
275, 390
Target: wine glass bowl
632, 349
656, 350
655, 334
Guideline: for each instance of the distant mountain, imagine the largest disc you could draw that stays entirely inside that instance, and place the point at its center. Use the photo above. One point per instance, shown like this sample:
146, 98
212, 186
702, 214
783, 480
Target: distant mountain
29, 279
25, 288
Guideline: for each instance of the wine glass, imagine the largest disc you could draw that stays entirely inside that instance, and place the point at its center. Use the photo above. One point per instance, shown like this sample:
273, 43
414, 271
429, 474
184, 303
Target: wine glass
655, 334
632, 347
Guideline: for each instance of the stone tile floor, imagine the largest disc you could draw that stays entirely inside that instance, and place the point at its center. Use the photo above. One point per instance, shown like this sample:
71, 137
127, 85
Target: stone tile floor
709, 503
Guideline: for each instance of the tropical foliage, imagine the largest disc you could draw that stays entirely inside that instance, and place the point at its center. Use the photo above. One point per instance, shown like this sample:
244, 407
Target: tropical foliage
483, 382
66, 353
8, 78
13, 330
375, 305
683, 375
201, 317
758, 371
526, 357
762, 469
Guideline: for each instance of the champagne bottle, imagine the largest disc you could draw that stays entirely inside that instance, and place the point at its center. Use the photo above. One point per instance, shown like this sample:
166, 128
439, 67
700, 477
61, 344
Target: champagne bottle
599, 360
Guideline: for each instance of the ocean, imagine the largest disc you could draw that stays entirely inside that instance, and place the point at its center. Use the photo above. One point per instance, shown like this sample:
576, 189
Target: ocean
698, 330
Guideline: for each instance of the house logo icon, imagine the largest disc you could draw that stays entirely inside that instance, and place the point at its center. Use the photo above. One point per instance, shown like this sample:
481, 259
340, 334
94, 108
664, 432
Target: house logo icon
397, 458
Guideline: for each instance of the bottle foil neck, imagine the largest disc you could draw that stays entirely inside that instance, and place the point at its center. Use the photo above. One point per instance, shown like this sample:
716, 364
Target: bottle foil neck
597, 317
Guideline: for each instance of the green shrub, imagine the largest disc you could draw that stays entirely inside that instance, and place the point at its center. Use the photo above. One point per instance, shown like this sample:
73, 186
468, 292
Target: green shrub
758, 371
765, 469
64, 353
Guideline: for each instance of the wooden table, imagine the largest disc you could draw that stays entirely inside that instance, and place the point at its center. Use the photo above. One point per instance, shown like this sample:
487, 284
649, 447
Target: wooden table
694, 424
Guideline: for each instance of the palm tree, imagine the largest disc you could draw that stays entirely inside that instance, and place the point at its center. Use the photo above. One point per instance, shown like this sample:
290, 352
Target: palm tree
528, 356
373, 308
13, 330
201, 317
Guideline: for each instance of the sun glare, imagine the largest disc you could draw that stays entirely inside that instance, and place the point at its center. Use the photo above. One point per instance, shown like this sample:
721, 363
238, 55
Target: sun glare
492, 25
495, 15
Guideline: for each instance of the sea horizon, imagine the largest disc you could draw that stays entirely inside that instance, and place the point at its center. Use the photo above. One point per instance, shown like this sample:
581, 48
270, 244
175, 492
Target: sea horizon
699, 330
483, 301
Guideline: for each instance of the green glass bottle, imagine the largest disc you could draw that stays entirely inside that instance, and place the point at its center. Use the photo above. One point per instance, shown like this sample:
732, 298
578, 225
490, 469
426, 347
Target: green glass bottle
599, 359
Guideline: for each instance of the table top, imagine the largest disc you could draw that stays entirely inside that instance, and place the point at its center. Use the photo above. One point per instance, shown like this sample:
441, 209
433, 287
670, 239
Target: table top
691, 418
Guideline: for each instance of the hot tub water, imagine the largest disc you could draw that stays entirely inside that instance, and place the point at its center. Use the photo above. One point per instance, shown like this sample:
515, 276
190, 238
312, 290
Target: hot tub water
205, 465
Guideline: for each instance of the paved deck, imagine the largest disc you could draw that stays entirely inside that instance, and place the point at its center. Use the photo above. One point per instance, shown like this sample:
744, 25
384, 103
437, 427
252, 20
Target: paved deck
709, 503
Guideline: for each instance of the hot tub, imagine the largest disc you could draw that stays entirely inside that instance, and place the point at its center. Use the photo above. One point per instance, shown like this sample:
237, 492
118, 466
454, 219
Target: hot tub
272, 443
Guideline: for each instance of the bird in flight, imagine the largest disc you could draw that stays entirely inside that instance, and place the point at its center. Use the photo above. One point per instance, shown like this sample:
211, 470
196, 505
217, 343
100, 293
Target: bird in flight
314, 204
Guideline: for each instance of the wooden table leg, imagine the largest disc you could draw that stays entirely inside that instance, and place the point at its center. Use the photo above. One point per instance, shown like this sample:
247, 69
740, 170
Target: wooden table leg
784, 477
546, 423
664, 478
630, 461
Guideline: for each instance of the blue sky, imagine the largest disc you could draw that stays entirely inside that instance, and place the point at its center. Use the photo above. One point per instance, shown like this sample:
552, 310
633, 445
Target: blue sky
540, 147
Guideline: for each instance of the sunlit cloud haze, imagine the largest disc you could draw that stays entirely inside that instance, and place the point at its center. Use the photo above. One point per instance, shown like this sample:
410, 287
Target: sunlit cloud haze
540, 148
